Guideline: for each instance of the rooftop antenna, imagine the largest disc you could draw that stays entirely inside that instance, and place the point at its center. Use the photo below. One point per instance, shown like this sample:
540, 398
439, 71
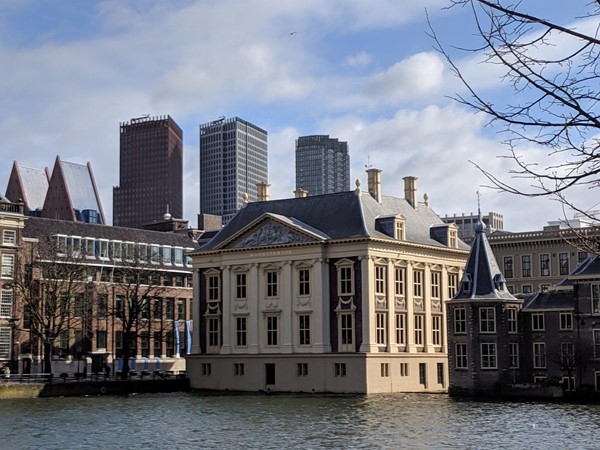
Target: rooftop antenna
368, 165
478, 203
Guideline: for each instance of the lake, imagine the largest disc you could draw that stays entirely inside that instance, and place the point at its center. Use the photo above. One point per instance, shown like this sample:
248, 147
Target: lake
186, 421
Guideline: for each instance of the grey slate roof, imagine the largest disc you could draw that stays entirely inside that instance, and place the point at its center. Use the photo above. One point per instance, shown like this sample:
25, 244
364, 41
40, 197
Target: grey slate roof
38, 227
79, 184
34, 185
550, 300
482, 278
338, 216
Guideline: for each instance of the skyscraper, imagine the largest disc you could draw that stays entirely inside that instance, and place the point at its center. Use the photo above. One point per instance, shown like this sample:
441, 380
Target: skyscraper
150, 172
322, 165
233, 160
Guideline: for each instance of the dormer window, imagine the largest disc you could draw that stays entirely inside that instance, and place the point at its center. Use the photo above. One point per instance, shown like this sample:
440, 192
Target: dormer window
499, 282
452, 236
399, 229
466, 283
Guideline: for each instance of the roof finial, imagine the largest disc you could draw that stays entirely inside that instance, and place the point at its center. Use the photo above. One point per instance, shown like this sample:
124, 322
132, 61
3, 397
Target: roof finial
479, 225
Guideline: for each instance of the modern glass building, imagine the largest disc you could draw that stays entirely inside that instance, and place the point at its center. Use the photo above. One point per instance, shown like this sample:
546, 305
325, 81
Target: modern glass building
233, 160
150, 172
322, 165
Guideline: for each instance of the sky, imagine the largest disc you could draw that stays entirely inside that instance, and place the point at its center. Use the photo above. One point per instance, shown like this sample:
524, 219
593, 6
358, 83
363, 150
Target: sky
365, 72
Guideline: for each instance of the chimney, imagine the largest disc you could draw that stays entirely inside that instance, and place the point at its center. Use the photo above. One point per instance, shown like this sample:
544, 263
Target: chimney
262, 192
410, 190
374, 182
300, 193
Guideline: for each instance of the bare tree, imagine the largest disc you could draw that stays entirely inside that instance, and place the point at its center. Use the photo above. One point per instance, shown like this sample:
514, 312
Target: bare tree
137, 284
50, 285
552, 69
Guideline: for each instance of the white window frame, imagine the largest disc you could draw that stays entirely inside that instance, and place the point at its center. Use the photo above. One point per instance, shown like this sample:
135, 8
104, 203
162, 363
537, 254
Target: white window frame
9, 237
6, 303
539, 355
538, 322
566, 320
487, 320
304, 330
5, 343
401, 328
8, 266
380, 280
436, 330
213, 334
345, 277
419, 320
272, 283
461, 355
272, 329
400, 281
381, 328
303, 282
511, 319
460, 320
513, 355
436, 278
346, 326
489, 355
418, 275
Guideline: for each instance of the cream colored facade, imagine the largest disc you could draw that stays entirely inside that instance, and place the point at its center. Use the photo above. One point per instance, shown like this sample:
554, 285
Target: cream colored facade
285, 306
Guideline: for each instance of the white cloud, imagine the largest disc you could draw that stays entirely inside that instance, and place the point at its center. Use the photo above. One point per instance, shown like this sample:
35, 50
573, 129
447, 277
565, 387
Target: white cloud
360, 59
417, 75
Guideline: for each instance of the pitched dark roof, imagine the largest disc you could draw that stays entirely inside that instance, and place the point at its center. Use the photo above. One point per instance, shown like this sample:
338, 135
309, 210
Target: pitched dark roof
338, 216
482, 278
555, 299
38, 227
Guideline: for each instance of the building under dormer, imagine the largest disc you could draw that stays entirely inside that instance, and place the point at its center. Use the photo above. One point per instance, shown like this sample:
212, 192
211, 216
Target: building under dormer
70, 193
483, 329
339, 292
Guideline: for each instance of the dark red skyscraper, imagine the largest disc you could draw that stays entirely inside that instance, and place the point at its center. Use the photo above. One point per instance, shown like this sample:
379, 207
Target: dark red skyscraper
150, 172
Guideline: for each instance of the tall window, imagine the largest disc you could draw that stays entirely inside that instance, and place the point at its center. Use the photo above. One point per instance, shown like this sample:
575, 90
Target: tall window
511, 316
5, 342
563, 263
461, 356
452, 238
545, 265
399, 275
595, 298
181, 309
304, 329
539, 355
169, 308
345, 280
581, 256
399, 229
240, 331
537, 322
460, 320
272, 331
418, 283
380, 280
119, 306
212, 286
567, 354
157, 309
513, 355
272, 283
436, 329
487, 320
566, 320
401, 328
418, 329
214, 334
488, 356
597, 343
8, 266
6, 302
452, 284
100, 339
508, 267
381, 328
240, 286
435, 284
304, 282
346, 321
9, 237
526, 265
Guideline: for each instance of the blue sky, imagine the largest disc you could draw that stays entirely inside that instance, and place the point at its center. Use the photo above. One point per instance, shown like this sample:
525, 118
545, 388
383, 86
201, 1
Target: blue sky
364, 72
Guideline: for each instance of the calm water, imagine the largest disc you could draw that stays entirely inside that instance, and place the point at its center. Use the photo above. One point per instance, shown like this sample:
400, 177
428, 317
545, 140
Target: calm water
185, 421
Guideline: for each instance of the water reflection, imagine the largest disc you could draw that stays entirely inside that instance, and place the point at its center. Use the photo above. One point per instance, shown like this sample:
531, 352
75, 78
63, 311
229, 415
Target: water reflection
273, 422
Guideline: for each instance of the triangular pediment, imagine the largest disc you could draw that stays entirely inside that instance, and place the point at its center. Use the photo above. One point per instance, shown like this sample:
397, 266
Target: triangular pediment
269, 230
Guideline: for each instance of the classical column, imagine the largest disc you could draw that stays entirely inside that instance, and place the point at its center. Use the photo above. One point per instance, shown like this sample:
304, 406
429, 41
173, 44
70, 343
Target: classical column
286, 297
197, 316
321, 308
367, 268
226, 311
428, 332
443, 298
390, 294
254, 301
410, 310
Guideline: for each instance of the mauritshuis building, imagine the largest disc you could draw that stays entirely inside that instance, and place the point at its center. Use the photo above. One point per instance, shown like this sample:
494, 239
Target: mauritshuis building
340, 292
150, 172
233, 161
322, 165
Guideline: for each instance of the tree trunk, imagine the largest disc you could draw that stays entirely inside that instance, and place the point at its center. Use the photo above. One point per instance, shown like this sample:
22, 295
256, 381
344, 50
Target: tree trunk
47, 358
126, 354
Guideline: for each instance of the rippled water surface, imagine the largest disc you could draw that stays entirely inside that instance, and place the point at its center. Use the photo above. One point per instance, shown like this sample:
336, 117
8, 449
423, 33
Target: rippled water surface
185, 421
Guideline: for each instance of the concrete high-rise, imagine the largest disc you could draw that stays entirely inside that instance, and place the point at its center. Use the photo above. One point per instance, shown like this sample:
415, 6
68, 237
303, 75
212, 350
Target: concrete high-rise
233, 160
322, 165
150, 172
